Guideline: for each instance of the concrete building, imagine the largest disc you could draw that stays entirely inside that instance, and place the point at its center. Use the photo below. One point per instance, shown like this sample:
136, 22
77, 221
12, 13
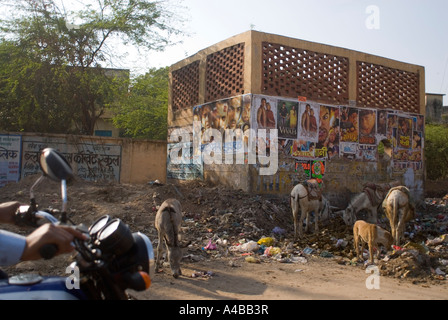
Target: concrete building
434, 107
343, 117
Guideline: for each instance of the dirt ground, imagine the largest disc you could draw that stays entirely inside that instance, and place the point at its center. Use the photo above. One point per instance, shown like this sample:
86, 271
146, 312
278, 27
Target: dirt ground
219, 221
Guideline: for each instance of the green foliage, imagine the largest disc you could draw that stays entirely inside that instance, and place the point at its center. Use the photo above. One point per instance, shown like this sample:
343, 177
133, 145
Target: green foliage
52, 60
436, 151
144, 112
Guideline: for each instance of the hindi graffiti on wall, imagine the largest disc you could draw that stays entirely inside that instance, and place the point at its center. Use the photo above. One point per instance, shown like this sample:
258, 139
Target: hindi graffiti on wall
10, 151
90, 161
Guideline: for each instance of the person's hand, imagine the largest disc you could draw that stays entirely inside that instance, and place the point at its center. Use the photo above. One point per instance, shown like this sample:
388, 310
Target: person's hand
7, 211
62, 236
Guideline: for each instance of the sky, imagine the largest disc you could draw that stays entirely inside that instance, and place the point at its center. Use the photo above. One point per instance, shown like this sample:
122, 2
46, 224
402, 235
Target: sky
411, 31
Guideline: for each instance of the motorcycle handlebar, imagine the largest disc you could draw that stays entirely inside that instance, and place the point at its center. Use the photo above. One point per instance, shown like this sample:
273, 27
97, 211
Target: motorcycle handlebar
48, 251
47, 216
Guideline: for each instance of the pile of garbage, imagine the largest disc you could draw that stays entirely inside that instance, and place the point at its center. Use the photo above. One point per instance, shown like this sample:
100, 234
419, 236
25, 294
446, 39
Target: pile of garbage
220, 222
418, 260
424, 254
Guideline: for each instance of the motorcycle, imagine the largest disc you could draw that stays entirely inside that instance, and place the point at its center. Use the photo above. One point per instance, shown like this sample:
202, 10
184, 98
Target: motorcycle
110, 261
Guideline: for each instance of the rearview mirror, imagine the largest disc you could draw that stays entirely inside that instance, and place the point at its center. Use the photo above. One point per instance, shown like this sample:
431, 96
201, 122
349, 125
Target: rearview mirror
54, 165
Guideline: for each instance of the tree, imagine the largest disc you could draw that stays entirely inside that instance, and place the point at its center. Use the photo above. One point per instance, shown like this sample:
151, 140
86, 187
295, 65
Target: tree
144, 112
64, 62
436, 151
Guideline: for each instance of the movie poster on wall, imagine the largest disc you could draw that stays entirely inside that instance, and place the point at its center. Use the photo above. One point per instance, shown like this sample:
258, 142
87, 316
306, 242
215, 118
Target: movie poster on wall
219, 115
381, 123
348, 150
263, 117
234, 109
264, 112
418, 122
243, 122
392, 125
404, 132
328, 134
417, 139
303, 149
349, 124
308, 121
287, 115
367, 152
367, 126
285, 147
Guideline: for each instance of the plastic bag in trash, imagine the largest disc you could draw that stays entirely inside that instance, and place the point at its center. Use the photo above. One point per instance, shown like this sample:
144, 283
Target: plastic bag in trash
267, 241
249, 246
278, 230
210, 246
251, 259
272, 251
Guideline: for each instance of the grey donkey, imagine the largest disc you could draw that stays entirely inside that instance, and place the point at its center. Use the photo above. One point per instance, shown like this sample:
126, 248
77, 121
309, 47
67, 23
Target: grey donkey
167, 223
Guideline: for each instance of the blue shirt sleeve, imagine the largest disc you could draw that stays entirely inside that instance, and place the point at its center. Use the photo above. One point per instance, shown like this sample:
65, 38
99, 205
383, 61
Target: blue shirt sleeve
11, 248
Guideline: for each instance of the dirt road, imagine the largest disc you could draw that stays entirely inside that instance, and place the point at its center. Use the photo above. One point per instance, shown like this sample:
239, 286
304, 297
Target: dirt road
318, 279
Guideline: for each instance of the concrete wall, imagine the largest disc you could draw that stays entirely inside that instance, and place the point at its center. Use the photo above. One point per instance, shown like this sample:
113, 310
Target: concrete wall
92, 158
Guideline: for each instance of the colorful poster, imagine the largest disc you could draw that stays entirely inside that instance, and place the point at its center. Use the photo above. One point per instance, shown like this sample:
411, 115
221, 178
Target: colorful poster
304, 165
318, 170
419, 122
220, 115
328, 137
287, 112
381, 122
311, 131
367, 152
392, 123
303, 149
264, 115
285, 147
404, 132
348, 150
244, 119
349, 124
416, 154
309, 121
234, 108
367, 126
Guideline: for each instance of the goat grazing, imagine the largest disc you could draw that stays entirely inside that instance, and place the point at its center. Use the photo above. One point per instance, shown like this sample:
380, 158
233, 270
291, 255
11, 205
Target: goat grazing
398, 209
167, 223
369, 199
308, 201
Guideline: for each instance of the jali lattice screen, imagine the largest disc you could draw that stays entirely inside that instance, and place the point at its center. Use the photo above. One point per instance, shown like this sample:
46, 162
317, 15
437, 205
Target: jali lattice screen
225, 73
293, 72
382, 87
185, 86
